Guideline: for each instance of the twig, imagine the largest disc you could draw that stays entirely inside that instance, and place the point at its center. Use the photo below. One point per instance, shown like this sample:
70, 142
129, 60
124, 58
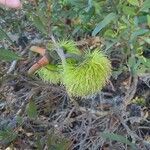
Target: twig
83, 109
69, 115
145, 77
23, 105
28, 97
131, 91
133, 135
96, 112
12, 66
59, 51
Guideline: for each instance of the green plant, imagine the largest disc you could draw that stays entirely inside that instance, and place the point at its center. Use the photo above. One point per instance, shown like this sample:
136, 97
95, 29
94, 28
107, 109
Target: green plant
31, 110
139, 101
7, 136
83, 74
8, 55
118, 138
124, 27
57, 142
125, 23
54, 141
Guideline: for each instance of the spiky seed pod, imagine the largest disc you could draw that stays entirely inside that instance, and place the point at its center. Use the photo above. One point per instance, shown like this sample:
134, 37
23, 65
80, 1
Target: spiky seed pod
50, 73
69, 47
89, 76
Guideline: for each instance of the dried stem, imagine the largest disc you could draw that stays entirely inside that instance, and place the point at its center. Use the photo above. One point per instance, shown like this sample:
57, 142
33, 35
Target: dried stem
131, 91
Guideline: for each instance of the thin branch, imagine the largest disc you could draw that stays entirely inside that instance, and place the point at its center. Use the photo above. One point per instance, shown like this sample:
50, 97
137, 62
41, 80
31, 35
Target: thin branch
131, 91
59, 51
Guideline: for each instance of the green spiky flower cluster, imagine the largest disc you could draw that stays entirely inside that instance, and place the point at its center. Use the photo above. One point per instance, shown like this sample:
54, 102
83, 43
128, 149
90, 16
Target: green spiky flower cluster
50, 73
89, 76
81, 77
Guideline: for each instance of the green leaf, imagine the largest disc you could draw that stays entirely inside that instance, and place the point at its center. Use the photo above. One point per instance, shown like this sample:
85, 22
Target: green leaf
63, 145
110, 33
39, 24
141, 19
146, 5
39, 143
132, 64
141, 70
119, 138
32, 110
129, 10
133, 2
146, 62
56, 142
147, 40
8, 55
7, 136
137, 33
110, 44
148, 20
110, 17
3, 36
